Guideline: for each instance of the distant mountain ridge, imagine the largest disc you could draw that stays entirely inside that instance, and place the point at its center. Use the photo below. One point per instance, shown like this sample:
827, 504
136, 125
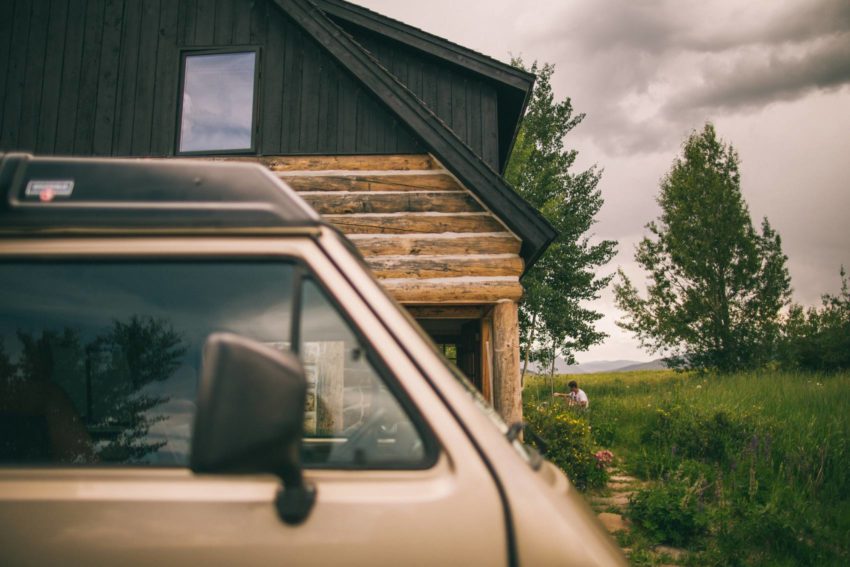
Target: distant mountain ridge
657, 364
561, 366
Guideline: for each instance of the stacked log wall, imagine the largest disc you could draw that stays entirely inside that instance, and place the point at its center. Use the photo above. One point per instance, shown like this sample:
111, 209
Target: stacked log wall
425, 236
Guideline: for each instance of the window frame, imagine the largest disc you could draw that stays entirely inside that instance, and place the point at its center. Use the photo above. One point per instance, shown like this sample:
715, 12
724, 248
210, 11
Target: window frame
186, 52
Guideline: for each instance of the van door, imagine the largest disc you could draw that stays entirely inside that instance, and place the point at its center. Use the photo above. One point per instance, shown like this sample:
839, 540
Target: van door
98, 368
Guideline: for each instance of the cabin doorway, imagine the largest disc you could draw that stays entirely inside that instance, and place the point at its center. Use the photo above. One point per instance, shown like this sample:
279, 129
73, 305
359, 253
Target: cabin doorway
466, 343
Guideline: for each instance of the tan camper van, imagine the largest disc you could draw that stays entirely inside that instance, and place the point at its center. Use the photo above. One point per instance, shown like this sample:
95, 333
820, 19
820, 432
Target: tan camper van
195, 369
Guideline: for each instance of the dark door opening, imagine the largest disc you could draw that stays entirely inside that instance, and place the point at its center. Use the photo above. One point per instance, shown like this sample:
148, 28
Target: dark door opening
460, 342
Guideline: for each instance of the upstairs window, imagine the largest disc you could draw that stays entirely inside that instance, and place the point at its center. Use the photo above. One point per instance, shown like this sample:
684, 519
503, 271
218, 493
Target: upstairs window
217, 107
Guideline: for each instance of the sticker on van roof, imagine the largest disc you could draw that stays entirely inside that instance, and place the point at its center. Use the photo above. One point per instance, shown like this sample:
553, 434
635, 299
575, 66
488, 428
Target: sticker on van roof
47, 190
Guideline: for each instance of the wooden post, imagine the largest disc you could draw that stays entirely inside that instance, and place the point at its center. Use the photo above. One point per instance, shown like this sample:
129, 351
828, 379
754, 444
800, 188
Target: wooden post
487, 359
331, 376
507, 391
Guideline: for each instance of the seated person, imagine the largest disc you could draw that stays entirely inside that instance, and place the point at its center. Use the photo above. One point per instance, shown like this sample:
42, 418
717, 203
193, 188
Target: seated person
576, 397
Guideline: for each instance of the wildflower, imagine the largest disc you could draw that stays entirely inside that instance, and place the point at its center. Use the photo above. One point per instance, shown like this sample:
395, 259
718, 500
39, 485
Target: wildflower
603, 458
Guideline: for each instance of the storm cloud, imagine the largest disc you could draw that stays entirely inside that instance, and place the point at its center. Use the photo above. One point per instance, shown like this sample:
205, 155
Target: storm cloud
651, 70
771, 77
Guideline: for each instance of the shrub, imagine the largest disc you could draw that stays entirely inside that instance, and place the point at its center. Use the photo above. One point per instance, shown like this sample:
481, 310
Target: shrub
776, 532
710, 437
819, 339
566, 434
673, 512
769, 450
604, 428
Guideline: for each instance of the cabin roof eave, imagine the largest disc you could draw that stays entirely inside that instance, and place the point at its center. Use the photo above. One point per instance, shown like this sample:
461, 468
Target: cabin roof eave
431, 44
514, 85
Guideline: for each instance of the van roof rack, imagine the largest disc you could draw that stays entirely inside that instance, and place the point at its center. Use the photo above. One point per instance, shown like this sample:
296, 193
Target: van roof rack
55, 194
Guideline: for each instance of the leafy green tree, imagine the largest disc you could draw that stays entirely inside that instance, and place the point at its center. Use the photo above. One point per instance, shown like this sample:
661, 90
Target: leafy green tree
106, 378
124, 361
819, 339
54, 356
716, 285
553, 320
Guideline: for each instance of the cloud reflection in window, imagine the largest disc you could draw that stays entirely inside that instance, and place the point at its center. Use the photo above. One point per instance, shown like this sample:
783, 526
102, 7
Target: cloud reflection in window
218, 102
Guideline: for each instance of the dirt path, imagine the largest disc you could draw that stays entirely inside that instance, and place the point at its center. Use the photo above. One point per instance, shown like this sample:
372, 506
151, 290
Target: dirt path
612, 502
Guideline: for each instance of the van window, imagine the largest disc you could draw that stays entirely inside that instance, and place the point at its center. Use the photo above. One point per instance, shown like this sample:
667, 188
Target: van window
99, 362
353, 420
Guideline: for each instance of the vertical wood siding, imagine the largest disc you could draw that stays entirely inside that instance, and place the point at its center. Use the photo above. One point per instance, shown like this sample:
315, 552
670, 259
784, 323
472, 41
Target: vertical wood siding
101, 77
467, 103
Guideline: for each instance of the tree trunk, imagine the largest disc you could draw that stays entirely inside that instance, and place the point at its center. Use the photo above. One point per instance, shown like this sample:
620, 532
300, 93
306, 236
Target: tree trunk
552, 370
528, 348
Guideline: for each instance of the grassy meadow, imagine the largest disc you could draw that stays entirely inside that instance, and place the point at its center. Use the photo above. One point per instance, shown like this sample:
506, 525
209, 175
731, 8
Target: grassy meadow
743, 469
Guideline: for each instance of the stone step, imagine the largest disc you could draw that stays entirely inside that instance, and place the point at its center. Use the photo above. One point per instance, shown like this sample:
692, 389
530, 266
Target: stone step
673, 553
624, 478
618, 500
614, 522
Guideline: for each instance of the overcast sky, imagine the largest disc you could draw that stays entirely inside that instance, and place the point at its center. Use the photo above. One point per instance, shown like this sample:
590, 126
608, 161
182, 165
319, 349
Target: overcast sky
773, 76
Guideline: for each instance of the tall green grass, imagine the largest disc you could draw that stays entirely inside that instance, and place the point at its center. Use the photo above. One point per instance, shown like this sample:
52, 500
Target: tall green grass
766, 454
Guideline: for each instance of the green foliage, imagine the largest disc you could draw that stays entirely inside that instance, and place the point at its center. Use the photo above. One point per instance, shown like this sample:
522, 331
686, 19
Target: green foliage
772, 534
123, 361
552, 319
568, 441
714, 437
716, 285
765, 457
819, 339
673, 513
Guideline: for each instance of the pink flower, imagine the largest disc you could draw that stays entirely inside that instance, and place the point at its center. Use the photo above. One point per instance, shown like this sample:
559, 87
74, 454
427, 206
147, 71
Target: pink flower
603, 458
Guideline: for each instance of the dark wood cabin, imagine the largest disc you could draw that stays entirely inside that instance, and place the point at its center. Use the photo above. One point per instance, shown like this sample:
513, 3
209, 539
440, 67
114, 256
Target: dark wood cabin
396, 136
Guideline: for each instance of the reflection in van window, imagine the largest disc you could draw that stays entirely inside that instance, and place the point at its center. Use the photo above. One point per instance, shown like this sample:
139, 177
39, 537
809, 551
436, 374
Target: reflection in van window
99, 362
352, 419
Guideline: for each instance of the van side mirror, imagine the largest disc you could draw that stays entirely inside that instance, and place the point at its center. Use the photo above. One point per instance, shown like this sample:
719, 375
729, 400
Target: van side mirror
250, 417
